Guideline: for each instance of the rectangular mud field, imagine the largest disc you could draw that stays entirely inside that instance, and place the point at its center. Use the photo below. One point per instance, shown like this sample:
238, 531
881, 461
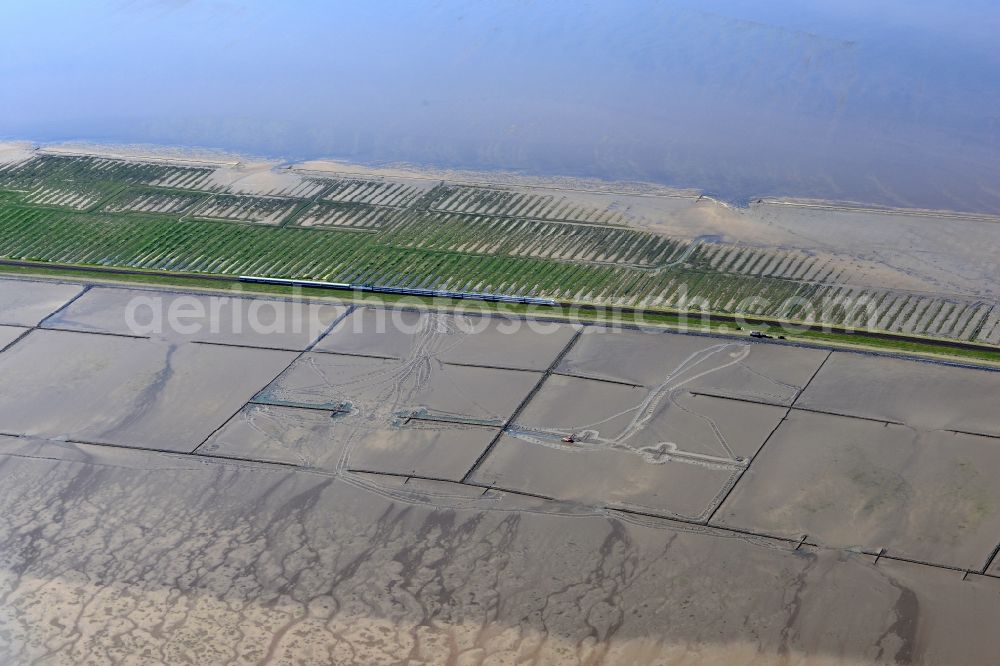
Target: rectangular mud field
427, 493
422, 448
126, 391
287, 435
658, 423
450, 338
927, 396
9, 334
853, 483
766, 373
606, 478
660, 449
25, 303
249, 322
391, 391
337, 441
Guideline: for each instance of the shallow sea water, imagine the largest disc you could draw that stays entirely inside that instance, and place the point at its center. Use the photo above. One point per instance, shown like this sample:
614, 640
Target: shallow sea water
890, 103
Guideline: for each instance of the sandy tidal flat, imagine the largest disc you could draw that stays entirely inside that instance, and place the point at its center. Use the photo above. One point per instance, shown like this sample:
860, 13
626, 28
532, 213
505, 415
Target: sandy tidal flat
223, 563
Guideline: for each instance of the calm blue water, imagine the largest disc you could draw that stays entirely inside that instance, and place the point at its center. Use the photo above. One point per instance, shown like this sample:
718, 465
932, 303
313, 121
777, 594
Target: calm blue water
893, 102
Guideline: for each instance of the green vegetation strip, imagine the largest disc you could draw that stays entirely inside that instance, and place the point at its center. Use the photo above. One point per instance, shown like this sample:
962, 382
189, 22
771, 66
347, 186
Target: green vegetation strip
697, 322
454, 237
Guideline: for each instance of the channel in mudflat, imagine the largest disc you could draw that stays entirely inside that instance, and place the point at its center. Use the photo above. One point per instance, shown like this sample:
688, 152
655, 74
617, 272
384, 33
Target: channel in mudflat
259, 563
126, 391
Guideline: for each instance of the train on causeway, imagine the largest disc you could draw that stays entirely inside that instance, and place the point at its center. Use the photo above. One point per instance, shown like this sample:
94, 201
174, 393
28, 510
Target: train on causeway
403, 291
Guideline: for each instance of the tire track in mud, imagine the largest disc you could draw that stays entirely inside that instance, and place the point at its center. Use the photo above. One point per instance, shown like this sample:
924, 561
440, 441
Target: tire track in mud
669, 389
387, 389
222, 459
687, 371
333, 324
524, 403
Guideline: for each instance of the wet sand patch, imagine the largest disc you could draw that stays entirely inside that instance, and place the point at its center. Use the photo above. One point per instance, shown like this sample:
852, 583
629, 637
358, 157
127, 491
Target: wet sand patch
387, 390
216, 562
928, 496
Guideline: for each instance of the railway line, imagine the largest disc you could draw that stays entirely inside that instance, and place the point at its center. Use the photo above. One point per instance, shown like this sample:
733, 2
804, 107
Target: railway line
943, 344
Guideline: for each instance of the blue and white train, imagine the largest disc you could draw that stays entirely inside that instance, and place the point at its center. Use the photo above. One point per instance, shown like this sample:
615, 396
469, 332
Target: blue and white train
403, 291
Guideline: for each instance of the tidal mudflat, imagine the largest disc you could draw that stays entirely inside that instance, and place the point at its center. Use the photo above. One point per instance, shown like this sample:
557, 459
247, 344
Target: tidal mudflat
124, 391
607, 478
599, 414
270, 433
922, 395
337, 441
490, 341
765, 373
9, 334
853, 483
401, 389
249, 322
433, 449
25, 303
188, 561
658, 450
656, 497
